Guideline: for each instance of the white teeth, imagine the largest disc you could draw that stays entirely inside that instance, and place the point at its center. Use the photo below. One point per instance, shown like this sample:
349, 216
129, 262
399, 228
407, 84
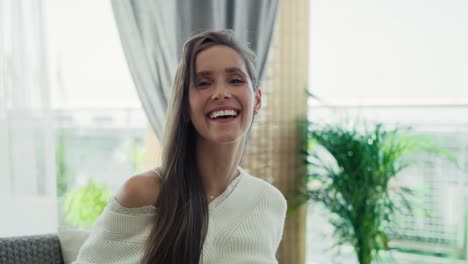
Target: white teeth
223, 113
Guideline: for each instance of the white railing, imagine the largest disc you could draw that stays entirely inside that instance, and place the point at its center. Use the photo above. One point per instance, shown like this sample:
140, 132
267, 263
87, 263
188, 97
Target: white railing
103, 118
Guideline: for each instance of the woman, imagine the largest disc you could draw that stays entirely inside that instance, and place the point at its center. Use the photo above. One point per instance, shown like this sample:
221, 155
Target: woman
199, 206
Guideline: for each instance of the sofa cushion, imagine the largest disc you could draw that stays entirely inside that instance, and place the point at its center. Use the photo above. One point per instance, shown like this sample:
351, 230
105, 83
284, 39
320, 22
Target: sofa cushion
71, 241
31, 249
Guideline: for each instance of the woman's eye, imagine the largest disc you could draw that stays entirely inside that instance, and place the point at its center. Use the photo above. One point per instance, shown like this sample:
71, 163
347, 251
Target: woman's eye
236, 81
203, 84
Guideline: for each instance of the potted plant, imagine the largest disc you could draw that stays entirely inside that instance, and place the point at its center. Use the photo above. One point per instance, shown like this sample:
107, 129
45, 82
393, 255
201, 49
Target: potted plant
351, 171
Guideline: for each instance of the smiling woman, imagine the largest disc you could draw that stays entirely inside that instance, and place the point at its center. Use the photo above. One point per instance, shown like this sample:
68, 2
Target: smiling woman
199, 206
223, 98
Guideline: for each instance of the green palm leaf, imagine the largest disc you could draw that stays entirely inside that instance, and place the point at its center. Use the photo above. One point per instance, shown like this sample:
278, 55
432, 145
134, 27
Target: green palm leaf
349, 171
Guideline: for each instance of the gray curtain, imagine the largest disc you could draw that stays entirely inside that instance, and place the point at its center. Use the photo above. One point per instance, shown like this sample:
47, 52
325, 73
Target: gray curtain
153, 32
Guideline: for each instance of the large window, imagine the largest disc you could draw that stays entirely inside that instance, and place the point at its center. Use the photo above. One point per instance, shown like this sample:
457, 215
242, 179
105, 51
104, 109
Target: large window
100, 124
399, 63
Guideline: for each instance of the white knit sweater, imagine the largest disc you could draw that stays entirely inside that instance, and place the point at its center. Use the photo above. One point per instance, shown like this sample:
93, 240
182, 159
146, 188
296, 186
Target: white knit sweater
245, 226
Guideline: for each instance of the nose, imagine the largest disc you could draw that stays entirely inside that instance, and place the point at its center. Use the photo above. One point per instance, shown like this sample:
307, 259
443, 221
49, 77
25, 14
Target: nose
220, 91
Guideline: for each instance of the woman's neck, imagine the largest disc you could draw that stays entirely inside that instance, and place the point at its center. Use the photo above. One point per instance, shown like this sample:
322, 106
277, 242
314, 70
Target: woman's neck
218, 164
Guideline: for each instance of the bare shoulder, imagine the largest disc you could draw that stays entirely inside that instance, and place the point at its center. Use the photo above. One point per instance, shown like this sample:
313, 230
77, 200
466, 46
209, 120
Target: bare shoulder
140, 190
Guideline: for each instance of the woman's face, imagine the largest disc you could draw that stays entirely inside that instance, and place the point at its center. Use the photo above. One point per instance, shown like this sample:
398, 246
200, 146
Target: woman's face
221, 99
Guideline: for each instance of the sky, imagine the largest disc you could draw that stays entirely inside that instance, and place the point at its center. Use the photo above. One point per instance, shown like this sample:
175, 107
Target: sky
389, 51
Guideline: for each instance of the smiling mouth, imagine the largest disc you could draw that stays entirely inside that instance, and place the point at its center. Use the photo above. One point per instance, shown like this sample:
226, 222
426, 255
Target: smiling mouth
223, 114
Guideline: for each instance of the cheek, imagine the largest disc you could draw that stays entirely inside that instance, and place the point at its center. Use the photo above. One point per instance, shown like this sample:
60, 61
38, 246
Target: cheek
249, 98
193, 103
196, 104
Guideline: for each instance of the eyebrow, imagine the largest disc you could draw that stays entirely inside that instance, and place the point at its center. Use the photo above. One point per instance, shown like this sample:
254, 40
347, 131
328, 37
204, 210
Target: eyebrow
227, 70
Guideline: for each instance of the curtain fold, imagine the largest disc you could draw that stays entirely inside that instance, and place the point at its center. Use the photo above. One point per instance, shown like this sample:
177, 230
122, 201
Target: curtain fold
153, 32
150, 52
27, 158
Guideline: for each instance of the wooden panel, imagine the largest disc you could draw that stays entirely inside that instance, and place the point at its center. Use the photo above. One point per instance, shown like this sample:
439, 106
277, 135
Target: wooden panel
273, 144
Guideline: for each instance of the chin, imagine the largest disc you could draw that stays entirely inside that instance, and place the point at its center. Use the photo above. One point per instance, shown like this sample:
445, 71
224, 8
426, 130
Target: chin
226, 136
227, 140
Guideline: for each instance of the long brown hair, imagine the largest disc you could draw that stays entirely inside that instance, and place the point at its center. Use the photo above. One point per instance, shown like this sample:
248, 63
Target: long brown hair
181, 224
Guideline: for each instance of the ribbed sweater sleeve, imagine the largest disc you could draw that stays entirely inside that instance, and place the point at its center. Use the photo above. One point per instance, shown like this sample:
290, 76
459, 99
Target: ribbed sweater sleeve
280, 204
118, 235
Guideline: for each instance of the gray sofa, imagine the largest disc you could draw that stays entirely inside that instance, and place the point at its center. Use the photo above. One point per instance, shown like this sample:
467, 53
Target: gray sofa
60, 248
31, 249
